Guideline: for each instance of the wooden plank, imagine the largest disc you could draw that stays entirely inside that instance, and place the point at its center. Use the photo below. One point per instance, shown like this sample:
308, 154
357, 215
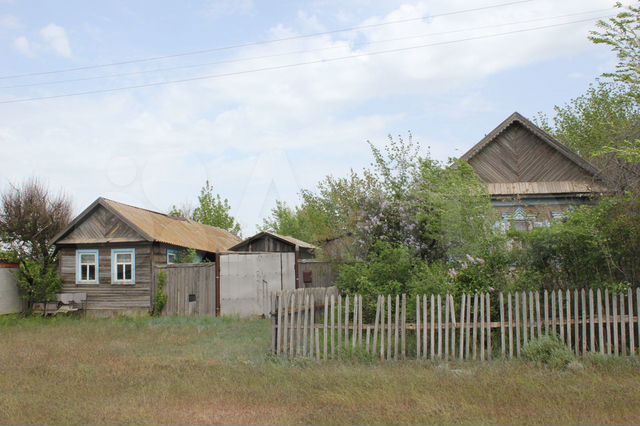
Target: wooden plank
305, 326
299, 317
396, 328
325, 327
614, 306
454, 327
638, 313
279, 325
592, 322
584, 321
333, 324
285, 314
553, 312
375, 326
418, 329
312, 324
502, 336
600, 322
424, 323
488, 302
432, 329
482, 340
568, 323
462, 326
474, 348
509, 324
403, 331
538, 319
576, 326
607, 322
317, 333
468, 327
532, 325
524, 318
356, 321
546, 312
561, 315
516, 300
347, 313
632, 343
623, 327
292, 322
382, 325
439, 307
368, 337
389, 328
339, 341
360, 320
446, 326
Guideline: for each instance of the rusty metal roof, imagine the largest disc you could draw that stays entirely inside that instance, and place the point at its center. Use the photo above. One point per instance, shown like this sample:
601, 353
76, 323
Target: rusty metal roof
160, 227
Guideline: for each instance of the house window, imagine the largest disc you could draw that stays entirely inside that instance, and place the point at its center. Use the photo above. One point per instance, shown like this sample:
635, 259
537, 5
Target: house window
172, 256
123, 266
87, 266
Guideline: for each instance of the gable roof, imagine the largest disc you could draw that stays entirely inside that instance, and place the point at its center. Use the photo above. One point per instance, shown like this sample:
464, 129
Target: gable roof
537, 131
285, 238
160, 227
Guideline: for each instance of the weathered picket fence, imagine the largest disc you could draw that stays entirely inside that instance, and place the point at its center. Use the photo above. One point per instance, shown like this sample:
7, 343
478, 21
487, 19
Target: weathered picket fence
477, 326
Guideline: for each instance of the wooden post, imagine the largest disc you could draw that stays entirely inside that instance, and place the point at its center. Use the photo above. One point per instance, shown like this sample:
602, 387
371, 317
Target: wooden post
345, 345
293, 318
368, 337
339, 342
317, 334
452, 335
285, 325
382, 324
467, 328
524, 318
600, 328
502, 337
623, 328
403, 332
279, 325
424, 324
462, 326
305, 325
360, 322
632, 345
532, 325
312, 325
418, 332
333, 326
510, 325
488, 302
553, 312
538, 319
546, 312
475, 326
389, 329
516, 300
584, 321
356, 321
592, 320
396, 328
439, 301
607, 321
482, 342
561, 315
375, 326
446, 326
432, 329
325, 324
638, 313
614, 307
576, 328
568, 304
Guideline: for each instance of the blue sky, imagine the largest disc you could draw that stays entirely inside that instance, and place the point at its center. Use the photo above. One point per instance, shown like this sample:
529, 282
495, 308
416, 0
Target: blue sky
265, 135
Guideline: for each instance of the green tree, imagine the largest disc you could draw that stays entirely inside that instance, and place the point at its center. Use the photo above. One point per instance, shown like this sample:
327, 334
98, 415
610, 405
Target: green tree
214, 211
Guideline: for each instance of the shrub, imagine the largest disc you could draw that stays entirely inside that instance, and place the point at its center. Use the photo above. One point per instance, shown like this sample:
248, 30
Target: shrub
160, 299
37, 283
548, 350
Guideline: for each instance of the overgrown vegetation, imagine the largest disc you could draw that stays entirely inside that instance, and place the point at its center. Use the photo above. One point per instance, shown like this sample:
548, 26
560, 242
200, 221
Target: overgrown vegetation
172, 370
548, 350
160, 298
30, 217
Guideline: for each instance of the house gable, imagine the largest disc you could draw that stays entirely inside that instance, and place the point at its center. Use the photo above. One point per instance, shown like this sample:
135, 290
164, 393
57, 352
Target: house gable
100, 226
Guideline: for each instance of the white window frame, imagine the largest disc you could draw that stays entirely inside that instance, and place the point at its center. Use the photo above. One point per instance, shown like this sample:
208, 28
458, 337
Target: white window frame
79, 254
173, 252
114, 266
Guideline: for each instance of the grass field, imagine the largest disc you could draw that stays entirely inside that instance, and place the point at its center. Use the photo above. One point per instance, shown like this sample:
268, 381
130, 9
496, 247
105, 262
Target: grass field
202, 371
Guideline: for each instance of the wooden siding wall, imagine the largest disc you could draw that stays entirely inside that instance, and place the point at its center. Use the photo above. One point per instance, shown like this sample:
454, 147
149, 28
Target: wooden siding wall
106, 296
323, 274
267, 244
189, 279
517, 155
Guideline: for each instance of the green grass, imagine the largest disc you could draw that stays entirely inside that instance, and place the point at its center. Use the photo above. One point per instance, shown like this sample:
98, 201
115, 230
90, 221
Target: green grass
209, 370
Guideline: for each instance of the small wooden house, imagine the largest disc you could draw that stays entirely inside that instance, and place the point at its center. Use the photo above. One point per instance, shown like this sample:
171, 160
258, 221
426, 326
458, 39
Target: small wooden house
109, 251
271, 242
531, 177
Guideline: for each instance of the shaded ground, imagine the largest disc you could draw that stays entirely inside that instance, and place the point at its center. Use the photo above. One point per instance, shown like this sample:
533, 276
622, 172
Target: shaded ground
198, 371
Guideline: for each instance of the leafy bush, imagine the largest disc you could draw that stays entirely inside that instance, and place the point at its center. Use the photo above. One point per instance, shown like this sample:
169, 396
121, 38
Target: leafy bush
38, 283
160, 299
548, 350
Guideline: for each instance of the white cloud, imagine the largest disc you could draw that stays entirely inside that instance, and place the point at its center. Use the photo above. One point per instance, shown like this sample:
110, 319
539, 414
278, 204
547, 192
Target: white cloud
23, 45
265, 135
9, 22
55, 37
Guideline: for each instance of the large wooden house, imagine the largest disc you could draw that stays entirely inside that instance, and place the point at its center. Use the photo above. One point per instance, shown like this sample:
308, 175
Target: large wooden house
110, 250
532, 178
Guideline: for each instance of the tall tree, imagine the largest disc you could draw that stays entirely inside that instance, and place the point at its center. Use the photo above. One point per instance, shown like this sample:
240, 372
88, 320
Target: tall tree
30, 216
214, 210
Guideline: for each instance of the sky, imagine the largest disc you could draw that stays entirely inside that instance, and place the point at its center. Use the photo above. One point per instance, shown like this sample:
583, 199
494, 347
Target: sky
269, 108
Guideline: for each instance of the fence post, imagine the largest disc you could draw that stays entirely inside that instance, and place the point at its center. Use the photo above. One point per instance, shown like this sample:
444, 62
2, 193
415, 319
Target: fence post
354, 334
600, 328
475, 326
403, 335
375, 326
576, 317
592, 322
510, 325
462, 325
538, 318
446, 326
482, 341
279, 325
389, 329
561, 316
432, 331
516, 301
632, 345
424, 324
396, 328
524, 317
418, 331
532, 326
623, 329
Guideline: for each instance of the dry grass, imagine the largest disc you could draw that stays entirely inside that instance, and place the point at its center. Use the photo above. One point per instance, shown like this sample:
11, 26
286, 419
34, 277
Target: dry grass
200, 371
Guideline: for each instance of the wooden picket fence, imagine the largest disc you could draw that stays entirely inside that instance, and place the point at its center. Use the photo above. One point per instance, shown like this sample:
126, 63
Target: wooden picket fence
478, 326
